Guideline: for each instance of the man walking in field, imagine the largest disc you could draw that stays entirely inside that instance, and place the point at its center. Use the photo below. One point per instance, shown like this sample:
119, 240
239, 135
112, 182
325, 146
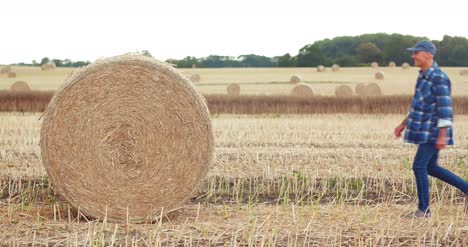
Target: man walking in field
429, 125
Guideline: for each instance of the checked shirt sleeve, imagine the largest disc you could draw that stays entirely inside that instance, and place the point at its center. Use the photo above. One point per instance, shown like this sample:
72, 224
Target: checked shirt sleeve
441, 90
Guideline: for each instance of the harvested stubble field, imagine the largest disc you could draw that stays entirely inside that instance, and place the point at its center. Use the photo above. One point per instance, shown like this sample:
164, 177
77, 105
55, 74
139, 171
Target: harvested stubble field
337, 179
266, 80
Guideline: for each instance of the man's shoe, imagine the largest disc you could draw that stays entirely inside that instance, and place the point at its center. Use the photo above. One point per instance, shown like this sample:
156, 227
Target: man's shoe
418, 214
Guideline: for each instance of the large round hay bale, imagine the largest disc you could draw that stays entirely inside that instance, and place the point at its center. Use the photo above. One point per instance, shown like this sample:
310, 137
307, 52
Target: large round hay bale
405, 65
302, 90
126, 136
295, 79
5, 69
195, 78
360, 89
335, 67
48, 66
320, 68
373, 89
374, 65
343, 91
11, 74
392, 64
20, 86
233, 89
464, 72
380, 75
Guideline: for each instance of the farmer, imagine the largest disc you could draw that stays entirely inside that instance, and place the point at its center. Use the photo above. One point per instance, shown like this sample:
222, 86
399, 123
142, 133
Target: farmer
429, 125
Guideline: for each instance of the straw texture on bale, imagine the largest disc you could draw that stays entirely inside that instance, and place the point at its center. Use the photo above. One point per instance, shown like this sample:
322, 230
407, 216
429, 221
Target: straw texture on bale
126, 135
379, 75
320, 68
335, 67
373, 89
343, 91
295, 79
464, 72
48, 66
195, 78
405, 65
5, 69
233, 89
374, 65
360, 89
302, 90
392, 64
11, 74
20, 86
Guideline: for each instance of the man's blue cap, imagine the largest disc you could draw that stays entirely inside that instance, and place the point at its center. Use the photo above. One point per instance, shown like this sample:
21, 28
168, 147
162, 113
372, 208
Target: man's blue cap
424, 45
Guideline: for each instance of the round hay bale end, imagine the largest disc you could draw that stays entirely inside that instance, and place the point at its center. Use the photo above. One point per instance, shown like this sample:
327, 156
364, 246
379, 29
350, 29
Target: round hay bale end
464, 72
373, 89
379, 75
5, 69
233, 89
195, 78
405, 65
126, 135
302, 90
20, 86
360, 89
392, 64
374, 65
335, 67
320, 68
11, 74
343, 91
295, 79
48, 66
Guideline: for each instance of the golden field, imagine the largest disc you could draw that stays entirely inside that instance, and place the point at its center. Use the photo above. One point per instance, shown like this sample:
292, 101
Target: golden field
332, 179
266, 80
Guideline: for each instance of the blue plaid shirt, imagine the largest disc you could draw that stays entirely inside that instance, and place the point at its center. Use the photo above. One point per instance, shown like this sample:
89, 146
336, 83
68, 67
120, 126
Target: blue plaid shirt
431, 108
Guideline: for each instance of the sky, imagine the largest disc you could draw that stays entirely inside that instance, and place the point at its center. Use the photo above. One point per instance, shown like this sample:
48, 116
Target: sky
87, 30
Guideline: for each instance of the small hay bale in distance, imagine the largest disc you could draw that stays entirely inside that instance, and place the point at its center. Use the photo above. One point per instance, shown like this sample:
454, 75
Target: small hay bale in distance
295, 79
343, 91
195, 78
302, 90
360, 89
11, 74
335, 67
5, 69
405, 66
372, 90
374, 65
48, 66
20, 86
464, 72
140, 140
233, 89
392, 64
320, 68
380, 75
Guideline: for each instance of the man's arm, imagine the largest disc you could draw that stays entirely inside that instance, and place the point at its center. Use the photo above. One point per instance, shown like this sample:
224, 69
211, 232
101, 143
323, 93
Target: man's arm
400, 127
441, 90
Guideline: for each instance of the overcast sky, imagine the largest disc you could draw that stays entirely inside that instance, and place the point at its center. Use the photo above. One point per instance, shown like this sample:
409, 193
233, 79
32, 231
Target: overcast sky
86, 30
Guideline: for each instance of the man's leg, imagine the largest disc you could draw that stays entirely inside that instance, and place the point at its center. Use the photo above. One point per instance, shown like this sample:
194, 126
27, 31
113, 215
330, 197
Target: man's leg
445, 175
424, 154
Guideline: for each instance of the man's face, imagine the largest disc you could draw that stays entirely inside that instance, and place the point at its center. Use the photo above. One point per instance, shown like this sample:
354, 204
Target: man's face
421, 57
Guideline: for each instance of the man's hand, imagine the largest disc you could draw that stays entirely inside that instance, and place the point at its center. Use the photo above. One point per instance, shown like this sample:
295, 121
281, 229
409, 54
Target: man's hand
398, 130
441, 139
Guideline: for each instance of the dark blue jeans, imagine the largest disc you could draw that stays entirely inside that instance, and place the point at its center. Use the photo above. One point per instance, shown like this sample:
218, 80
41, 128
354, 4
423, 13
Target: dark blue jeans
425, 162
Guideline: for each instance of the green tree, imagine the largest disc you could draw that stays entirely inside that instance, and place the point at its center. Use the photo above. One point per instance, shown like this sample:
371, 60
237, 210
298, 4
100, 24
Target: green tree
368, 52
310, 56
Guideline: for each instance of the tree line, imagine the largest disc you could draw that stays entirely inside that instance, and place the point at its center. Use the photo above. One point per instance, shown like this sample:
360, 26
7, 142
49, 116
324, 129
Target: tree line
346, 51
